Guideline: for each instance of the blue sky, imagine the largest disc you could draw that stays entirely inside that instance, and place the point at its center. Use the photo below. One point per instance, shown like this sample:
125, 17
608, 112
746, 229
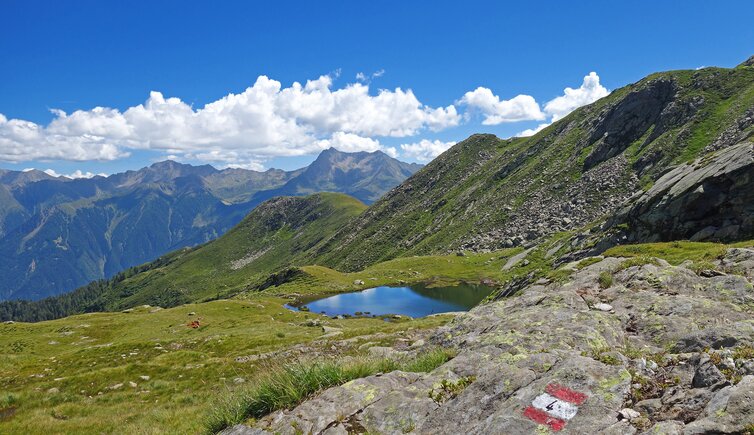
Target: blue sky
76, 56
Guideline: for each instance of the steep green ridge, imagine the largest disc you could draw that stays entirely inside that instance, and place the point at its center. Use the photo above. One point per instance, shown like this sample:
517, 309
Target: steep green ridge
57, 234
488, 193
275, 235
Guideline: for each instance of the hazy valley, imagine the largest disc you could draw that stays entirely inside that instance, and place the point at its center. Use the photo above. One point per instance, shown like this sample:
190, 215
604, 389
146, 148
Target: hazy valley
57, 234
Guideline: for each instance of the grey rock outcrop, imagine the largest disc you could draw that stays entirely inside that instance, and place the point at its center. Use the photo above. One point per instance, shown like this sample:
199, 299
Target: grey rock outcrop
709, 199
748, 62
643, 367
616, 128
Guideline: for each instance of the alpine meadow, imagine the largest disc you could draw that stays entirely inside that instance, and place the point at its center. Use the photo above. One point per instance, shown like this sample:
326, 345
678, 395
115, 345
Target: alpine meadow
433, 237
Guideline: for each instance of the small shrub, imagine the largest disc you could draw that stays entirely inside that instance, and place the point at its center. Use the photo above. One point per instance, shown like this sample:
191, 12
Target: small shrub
602, 354
428, 361
715, 358
408, 426
743, 352
8, 400
449, 389
651, 387
605, 280
641, 423
608, 359
732, 375
631, 351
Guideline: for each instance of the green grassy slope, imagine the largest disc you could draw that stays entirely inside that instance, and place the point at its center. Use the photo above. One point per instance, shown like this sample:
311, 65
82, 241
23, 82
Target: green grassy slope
277, 234
147, 371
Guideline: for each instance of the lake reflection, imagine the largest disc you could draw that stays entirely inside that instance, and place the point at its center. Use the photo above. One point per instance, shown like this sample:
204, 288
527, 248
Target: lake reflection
414, 301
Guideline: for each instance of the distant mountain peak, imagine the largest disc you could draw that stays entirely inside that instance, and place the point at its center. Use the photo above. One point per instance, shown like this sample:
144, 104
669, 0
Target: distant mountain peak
168, 164
174, 165
334, 152
16, 178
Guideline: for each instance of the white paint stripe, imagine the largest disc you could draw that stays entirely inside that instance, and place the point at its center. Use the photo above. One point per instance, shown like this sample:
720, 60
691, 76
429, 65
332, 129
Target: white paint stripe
555, 407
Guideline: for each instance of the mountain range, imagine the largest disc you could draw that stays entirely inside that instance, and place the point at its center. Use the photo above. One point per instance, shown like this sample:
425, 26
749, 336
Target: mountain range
617, 245
602, 176
57, 233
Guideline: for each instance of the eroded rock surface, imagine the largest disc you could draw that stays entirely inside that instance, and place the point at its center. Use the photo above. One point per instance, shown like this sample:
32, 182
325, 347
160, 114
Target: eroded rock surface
672, 356
709, 199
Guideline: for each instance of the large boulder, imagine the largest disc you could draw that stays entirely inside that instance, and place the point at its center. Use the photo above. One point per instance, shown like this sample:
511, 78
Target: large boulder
711, 198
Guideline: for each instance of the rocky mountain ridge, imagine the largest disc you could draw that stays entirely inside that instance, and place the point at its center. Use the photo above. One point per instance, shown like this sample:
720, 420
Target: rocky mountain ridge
486, 193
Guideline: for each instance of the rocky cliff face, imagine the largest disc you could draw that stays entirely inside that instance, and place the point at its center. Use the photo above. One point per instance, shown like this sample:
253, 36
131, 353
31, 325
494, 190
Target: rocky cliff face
653, 349
709, 199
615, 128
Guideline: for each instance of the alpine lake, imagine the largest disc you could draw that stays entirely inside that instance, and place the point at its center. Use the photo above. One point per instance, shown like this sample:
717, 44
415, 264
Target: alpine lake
417, 300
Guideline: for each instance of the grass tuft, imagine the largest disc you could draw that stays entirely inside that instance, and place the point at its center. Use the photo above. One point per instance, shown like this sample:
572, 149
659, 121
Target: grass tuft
673, 252
588, 262
605, 280
287, 386
637, 261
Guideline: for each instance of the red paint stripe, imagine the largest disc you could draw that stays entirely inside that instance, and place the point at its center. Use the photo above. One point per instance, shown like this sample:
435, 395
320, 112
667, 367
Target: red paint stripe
563, 393
541, 417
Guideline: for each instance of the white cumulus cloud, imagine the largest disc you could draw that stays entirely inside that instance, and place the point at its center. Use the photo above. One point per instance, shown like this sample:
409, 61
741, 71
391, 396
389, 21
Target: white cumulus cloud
425, 150
590, 91
269, 120
265, 120
532, 131
349, 142
497, 111
78, 173
391, 151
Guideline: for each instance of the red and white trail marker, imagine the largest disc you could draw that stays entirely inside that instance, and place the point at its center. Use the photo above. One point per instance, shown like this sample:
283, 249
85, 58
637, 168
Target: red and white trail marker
555, 406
